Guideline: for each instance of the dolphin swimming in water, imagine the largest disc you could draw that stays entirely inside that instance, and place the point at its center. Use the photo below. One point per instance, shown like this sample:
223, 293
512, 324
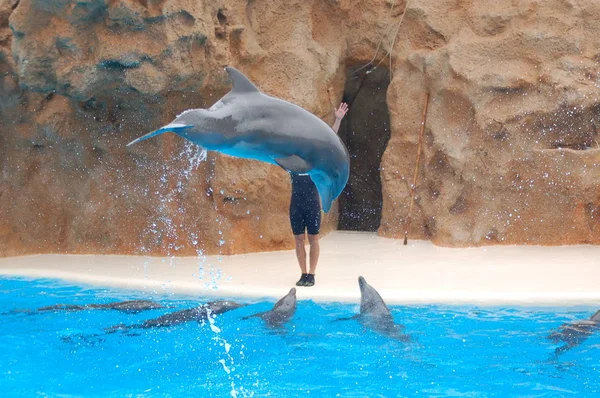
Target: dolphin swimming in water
198, 314
573, 334
375, 315
247, 123
281, 312
131, 306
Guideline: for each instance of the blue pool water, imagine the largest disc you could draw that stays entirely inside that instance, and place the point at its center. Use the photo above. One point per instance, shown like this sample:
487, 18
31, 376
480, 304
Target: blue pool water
458, 351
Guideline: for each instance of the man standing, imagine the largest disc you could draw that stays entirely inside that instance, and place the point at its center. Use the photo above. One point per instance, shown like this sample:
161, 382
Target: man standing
305, 214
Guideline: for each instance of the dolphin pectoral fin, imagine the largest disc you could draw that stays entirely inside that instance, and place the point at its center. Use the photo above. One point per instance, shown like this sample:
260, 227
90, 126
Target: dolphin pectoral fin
259, 315
294, 164
174, 127
562, 349
403, 338
554, 336
241, 84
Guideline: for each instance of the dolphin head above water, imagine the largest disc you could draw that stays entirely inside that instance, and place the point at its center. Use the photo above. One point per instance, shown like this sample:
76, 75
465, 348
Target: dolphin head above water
375, 314
282, 311
287, 303
247, 123
371, 302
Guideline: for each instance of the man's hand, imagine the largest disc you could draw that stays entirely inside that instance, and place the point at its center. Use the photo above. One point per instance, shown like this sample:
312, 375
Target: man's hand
339, 115
341, 111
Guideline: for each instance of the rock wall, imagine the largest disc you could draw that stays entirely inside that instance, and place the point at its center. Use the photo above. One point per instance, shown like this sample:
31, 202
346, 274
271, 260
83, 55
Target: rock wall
82, 78
511, 147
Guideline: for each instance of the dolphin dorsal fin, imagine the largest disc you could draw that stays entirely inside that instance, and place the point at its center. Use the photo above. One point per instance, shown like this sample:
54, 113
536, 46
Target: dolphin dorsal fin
241, 84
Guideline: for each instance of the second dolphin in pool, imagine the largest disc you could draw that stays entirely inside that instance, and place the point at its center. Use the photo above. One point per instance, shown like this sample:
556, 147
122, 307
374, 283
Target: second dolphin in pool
282, 311
198, 314
131, 306
573, 334
246, 123
375, 315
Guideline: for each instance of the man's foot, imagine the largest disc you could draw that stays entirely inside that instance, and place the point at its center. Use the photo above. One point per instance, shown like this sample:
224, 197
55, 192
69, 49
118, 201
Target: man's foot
302, 281
310, 280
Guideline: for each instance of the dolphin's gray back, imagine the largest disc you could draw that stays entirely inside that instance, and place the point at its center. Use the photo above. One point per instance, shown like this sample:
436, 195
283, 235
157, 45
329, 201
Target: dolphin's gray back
134, 305
264, 119
175, 318
247, 123
275, 317
131, 306
250, 104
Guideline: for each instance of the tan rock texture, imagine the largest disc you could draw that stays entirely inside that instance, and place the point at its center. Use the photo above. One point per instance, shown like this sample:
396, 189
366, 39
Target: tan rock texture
511, 151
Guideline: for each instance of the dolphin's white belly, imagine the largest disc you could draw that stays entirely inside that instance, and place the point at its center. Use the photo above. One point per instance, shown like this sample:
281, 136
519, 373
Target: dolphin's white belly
254, 151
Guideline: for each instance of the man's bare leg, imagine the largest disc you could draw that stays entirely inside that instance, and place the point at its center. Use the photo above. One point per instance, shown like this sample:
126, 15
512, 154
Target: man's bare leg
301, 252
314, 258
314, 252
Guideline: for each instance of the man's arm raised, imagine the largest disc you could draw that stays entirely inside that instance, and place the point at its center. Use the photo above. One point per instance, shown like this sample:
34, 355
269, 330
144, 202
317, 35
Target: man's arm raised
339, 115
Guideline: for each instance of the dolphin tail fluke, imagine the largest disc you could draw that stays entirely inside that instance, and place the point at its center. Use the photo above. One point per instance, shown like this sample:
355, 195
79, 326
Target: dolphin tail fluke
173, 127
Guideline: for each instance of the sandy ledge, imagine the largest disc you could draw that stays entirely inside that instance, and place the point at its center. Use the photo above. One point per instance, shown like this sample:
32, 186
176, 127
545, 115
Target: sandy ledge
419, 273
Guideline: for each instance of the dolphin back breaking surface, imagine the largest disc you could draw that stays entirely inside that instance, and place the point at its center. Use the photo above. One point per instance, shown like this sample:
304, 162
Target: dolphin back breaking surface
575, 333
282, 311
247, 123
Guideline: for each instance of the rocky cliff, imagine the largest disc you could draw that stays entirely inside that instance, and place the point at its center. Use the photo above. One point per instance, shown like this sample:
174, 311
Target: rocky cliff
511, 152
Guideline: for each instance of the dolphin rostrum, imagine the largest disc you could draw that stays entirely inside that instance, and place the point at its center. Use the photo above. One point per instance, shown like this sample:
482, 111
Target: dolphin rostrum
573, 334
247, 123
375, 315
198, 314
282, 311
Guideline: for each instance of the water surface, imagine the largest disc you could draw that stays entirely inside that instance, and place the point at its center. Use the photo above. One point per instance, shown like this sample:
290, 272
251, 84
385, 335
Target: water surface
457, 351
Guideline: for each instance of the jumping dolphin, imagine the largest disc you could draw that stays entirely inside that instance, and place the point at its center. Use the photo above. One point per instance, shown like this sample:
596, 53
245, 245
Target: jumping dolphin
197, 314
247, 123
573, 334
375, 315
281, 312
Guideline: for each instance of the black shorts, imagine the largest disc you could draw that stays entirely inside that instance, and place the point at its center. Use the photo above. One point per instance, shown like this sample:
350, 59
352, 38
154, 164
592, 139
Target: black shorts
305, 216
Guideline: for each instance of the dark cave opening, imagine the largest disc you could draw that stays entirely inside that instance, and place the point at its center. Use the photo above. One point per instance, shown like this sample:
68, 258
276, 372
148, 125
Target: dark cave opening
366, 131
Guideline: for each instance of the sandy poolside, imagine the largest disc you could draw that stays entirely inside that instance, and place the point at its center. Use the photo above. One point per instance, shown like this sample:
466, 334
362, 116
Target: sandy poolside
414, 274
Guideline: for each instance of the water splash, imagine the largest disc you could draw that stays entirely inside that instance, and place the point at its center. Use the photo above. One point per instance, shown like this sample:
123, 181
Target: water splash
228, 362
165, 229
